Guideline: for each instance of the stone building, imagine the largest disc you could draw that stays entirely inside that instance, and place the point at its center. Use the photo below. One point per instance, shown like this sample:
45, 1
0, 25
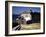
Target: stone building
26, 17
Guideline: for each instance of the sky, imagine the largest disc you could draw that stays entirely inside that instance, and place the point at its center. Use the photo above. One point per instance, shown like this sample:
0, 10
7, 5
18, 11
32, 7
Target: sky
18, 10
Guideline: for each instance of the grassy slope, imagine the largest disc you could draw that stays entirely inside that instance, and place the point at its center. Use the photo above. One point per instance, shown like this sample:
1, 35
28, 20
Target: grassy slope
31, 26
